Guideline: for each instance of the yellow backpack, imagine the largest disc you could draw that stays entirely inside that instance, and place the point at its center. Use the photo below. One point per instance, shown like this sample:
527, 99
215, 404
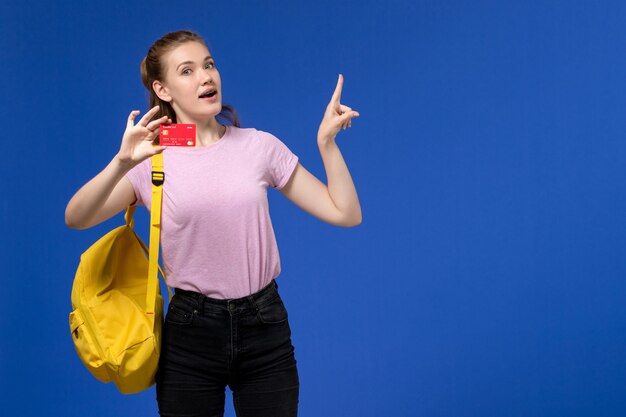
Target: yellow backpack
118, 308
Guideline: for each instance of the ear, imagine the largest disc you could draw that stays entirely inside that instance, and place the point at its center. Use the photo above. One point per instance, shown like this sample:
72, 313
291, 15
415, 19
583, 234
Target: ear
161, 91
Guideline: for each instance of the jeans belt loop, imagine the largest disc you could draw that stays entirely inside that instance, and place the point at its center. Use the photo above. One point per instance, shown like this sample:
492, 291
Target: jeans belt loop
200, 301
253, 302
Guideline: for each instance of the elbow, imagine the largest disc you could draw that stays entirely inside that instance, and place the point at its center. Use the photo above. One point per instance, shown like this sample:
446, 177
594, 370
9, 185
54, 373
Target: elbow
358, 219
71, 222
73, 225
353, 221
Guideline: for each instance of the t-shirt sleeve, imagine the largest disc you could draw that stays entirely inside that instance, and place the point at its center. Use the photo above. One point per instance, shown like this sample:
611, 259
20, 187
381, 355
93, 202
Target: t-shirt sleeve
281, 162
139, 177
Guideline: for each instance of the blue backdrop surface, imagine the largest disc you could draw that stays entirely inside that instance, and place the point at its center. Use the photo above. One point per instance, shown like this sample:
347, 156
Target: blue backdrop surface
487, 277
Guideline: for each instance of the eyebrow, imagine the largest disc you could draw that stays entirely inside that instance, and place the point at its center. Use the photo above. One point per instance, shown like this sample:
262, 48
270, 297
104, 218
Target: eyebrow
208, 57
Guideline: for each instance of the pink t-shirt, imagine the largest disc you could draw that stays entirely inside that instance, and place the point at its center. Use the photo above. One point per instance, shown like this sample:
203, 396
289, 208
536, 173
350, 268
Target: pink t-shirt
216, 233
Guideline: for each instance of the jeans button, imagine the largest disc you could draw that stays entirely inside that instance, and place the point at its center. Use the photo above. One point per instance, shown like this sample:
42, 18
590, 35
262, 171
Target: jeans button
231, 307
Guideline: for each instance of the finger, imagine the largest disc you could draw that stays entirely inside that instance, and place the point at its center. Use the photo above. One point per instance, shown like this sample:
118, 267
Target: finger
146, 117
345, 108
155, 123
131, 117
158, 149
150, 135
349, 115
346, 118
337, 108
337, 93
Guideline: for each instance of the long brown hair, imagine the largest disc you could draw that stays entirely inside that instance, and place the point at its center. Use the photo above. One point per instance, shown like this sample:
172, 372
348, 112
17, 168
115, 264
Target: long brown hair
152, 68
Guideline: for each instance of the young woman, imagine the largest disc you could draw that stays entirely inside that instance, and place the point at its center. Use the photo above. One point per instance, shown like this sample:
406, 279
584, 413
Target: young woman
226, 324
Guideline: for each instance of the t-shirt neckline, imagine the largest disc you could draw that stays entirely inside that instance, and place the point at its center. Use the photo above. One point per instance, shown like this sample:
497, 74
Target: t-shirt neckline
202, 149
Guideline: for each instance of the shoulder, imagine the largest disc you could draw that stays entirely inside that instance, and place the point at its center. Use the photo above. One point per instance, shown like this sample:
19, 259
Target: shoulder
255, 136
248, 132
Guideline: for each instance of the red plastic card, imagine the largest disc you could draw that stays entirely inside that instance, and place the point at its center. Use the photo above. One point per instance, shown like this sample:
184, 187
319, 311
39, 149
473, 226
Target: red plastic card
177, 134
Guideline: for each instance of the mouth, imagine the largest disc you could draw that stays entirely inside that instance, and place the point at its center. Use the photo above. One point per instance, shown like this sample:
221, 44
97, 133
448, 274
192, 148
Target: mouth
209, 93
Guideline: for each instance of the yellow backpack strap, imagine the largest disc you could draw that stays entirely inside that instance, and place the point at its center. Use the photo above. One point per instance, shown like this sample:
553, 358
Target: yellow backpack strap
145, 249
130, 222
158, 178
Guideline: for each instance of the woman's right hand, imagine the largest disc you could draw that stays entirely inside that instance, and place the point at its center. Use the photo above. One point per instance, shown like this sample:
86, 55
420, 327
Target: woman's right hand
137, 140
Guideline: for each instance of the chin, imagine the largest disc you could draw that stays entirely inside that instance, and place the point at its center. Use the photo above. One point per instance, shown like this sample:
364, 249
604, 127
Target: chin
216, 112
216, 107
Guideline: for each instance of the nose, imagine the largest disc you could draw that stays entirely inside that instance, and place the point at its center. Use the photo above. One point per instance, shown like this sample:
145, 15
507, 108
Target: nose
206, 76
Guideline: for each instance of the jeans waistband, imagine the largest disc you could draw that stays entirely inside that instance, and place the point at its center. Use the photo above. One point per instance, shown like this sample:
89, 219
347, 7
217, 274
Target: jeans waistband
264, 295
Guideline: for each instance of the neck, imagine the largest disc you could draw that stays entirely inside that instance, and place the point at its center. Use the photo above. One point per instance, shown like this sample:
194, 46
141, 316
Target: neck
207, 131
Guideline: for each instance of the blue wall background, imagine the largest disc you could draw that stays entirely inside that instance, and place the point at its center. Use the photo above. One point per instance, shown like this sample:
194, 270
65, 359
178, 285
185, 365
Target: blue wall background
487, 278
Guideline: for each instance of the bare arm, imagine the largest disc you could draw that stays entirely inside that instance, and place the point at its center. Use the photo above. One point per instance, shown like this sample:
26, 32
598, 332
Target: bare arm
101, 198
109, 192
338, 203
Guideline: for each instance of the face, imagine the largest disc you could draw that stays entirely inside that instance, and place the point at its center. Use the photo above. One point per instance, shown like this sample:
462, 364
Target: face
192, 83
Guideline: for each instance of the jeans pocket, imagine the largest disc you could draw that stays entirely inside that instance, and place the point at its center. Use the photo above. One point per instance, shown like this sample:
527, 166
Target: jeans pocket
274, 312
180, 313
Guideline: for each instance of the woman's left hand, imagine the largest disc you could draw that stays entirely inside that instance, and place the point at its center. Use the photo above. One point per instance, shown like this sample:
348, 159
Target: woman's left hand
336, 117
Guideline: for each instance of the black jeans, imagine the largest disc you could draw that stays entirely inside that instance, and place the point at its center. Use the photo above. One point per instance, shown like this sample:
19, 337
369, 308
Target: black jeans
244, 343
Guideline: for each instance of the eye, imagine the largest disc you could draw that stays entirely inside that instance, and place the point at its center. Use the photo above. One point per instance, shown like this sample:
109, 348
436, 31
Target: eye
210, 65
186, 71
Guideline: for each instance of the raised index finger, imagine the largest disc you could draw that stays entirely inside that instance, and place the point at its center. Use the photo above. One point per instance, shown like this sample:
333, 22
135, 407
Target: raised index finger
337, 93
